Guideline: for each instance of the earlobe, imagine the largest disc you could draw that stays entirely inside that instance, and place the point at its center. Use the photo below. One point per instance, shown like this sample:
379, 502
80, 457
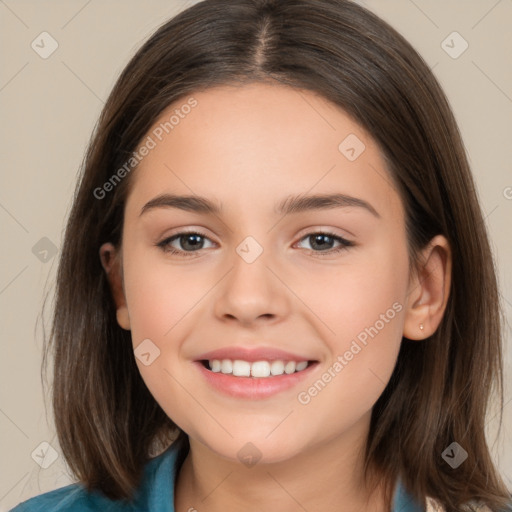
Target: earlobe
429, 290
111, 263
123, 318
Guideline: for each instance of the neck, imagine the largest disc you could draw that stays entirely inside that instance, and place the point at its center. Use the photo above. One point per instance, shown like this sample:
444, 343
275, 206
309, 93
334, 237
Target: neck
333, 480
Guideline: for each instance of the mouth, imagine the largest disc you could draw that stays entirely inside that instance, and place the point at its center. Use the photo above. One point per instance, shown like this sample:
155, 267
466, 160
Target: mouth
257, 369
255, 380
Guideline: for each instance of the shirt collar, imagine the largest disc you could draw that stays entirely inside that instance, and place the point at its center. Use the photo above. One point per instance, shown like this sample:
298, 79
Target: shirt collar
403, 501
156, 492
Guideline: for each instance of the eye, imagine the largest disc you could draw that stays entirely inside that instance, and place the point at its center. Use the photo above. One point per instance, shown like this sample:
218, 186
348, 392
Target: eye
190, 241
324, 240
193, 241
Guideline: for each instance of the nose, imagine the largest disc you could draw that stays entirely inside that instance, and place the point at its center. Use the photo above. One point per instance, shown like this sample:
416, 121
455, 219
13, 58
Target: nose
252, 292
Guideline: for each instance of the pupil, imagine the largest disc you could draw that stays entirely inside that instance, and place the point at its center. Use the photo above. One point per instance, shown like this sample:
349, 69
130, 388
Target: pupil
321, 239
192, 237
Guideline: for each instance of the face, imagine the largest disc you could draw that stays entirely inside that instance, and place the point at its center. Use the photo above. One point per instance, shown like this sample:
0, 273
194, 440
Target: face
257, 281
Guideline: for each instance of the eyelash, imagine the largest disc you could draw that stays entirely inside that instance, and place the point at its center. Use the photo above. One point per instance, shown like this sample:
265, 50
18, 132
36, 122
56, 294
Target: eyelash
164, 244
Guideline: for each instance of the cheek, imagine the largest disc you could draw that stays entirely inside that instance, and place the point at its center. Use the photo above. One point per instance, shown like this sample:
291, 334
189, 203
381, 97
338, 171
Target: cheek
361, 299
363, 306
159, 296
369, 322
161, 301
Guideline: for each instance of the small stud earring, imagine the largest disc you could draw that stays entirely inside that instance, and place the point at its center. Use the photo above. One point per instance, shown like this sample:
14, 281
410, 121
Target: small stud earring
421, 327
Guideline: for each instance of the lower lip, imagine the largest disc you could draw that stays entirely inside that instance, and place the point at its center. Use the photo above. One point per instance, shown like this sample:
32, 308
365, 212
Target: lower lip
253, 387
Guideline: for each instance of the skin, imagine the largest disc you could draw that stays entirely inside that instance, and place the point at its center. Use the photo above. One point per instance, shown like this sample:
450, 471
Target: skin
247, 148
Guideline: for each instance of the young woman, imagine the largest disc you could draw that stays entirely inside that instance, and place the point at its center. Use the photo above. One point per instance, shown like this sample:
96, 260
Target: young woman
276, 290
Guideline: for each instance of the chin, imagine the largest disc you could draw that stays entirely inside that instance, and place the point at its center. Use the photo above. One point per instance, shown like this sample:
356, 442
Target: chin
251, 450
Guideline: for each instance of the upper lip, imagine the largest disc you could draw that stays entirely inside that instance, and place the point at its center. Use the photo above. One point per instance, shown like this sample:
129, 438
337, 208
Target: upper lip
252, 354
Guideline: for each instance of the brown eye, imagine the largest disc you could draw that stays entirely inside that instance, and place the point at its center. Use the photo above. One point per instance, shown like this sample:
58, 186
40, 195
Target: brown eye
322, 242
188, 242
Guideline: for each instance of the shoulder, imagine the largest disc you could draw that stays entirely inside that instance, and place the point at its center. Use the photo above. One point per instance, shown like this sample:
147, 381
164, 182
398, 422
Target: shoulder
156, 492
71, 498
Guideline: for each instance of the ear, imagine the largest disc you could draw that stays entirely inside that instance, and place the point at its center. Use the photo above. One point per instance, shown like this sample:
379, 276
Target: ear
111, 262
429, 289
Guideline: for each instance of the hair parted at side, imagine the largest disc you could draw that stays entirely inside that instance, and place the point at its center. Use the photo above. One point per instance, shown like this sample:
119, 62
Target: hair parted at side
107, 421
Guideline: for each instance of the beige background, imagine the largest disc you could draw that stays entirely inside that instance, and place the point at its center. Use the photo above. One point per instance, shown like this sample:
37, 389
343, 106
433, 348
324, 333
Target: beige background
49, 107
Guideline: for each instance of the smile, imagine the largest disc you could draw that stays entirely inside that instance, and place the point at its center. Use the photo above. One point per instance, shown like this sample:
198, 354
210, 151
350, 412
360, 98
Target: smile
257, 380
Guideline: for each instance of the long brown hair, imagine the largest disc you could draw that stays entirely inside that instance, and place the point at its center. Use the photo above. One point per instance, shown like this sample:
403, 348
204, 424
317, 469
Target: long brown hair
107, 421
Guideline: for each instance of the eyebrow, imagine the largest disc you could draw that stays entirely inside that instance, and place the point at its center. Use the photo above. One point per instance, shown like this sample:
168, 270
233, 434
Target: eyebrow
291, 204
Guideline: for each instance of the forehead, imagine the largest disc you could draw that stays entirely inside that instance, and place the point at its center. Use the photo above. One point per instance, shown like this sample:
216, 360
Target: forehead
254, 144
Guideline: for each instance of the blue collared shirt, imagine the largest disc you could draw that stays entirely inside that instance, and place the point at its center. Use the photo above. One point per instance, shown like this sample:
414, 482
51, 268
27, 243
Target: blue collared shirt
155, 494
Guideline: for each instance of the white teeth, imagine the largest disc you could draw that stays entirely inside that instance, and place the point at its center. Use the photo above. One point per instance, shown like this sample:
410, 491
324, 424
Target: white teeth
226, 366
215, 366
301, 366
277, 368
241, 368
260, 369
289, 367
